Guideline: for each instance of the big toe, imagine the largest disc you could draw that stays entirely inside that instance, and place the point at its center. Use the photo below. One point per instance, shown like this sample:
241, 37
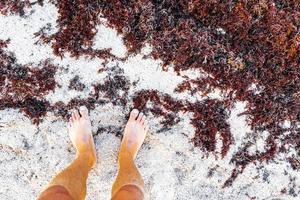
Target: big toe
84, 112
133, 114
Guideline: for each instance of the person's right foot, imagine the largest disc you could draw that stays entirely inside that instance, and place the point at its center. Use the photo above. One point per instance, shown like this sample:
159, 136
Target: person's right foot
80, 132
134, 134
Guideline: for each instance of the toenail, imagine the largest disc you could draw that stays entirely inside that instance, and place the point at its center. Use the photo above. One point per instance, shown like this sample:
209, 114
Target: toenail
83, 108
135, 110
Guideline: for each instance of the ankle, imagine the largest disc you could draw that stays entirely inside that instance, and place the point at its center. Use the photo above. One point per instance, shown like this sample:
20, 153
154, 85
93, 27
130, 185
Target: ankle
126, 156
87, 156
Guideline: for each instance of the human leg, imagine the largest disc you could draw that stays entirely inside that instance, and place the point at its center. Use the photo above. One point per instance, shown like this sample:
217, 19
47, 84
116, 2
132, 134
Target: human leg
129, 183
71, 182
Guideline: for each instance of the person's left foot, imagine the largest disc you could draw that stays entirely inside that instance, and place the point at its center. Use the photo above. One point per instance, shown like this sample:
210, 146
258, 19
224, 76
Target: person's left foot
134, 134
80, 131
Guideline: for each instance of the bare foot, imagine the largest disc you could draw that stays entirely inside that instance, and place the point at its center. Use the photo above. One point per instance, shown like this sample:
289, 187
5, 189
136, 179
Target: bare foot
134, 134
80, 131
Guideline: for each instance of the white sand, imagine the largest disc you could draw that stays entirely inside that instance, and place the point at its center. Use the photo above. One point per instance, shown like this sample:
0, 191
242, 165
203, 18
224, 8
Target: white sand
172, 168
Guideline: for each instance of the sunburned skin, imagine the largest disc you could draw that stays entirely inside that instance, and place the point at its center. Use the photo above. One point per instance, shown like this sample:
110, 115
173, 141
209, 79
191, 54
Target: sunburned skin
129, 179
134, 133
70, 184
80, 132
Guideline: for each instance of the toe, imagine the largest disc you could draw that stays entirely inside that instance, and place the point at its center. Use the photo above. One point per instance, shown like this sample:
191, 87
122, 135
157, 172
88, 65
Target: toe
72, 117
140, 117
145, 123
133, 114
84, 112
143, 119
146, 129
76, 114
69, 125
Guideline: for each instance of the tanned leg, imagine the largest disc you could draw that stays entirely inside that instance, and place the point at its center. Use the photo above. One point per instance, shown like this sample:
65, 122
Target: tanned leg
129, 184
71, 182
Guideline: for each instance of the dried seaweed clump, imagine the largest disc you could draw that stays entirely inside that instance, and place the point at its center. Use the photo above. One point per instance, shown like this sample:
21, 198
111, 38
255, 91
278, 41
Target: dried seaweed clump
209, 117
17, 7
24, 87
75, 84
76, 21
114, 89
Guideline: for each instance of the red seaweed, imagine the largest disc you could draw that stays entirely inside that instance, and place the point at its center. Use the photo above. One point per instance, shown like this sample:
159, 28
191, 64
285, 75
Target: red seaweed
17, 6
75, 84
77, 22
114, 89
209, 117
24, 87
